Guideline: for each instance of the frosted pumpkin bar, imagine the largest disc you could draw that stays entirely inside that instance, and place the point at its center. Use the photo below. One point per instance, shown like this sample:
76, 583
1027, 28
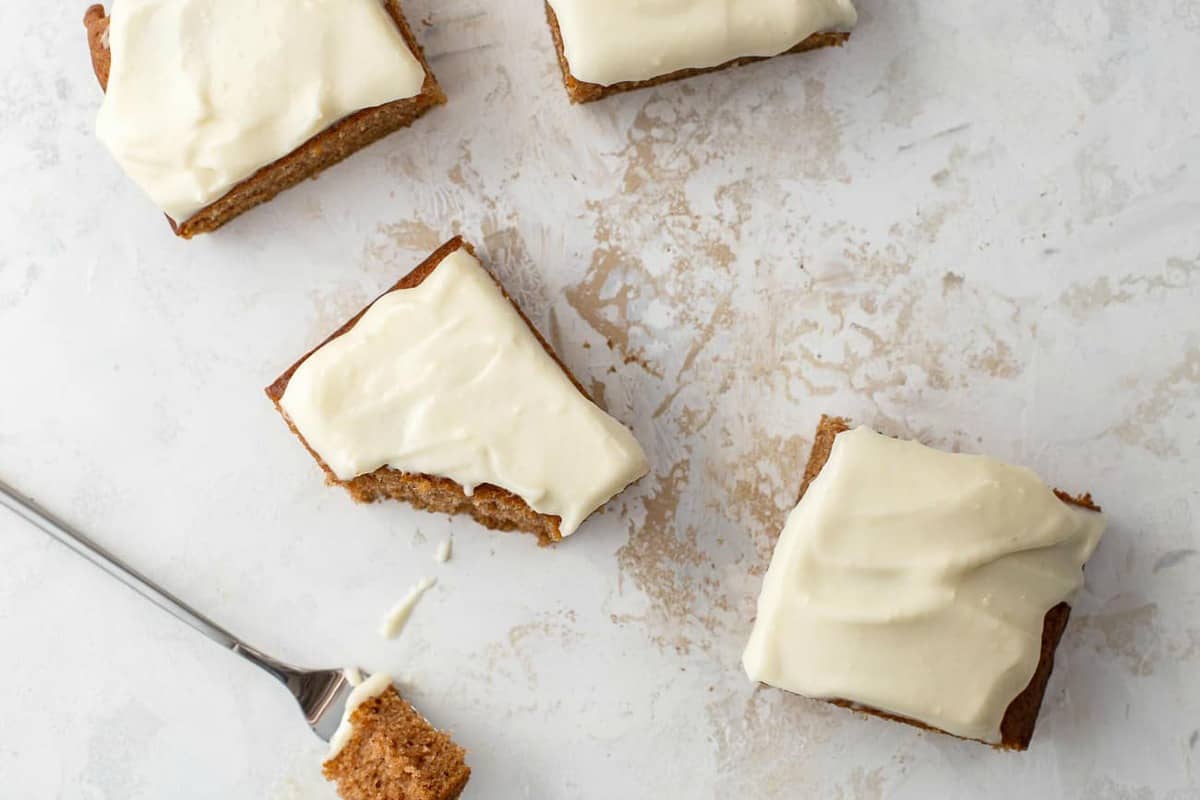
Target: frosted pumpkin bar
215, 106
441, 394
920, 585
610, 46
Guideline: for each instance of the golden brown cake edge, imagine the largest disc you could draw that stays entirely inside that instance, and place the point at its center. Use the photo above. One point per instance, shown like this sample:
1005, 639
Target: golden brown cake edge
389, 753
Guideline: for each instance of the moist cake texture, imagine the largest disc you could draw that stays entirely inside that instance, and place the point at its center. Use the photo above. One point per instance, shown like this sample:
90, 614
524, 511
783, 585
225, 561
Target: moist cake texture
441, 394
385, 750
923, 586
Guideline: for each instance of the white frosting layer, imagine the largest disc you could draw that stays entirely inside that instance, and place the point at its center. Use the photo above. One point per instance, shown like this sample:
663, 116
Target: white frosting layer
610, 41
446, 379
916, 582
372, 687
202, 93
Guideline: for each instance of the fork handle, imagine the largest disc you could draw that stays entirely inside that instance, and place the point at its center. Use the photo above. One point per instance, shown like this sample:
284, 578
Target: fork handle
24, 507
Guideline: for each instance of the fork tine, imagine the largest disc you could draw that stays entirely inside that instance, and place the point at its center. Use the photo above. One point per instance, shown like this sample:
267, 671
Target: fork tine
322, 697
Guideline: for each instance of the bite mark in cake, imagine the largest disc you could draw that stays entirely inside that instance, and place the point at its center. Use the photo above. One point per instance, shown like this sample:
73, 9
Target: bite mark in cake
441, 394
609, 46
926, 586
214, 106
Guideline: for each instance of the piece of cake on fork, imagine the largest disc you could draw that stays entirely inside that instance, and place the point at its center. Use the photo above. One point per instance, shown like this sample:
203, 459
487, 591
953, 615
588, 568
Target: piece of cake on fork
385, 750
923, 586
610, 46
441, 394
215, 106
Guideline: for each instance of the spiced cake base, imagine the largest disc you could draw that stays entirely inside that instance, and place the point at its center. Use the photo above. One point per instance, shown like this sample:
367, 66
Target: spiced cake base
395, 754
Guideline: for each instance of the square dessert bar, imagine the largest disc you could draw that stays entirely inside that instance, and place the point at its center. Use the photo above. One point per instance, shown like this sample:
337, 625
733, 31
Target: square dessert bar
441, 394
385, 750
167, 171
924, 587
610, 46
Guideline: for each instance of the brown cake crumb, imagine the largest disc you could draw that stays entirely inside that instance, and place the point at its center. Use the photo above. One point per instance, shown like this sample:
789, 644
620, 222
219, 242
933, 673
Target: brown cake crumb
323, 150
395, 754
1016, 728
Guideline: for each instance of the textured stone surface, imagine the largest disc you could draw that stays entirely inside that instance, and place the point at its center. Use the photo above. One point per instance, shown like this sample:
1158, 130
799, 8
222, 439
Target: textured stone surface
977, 223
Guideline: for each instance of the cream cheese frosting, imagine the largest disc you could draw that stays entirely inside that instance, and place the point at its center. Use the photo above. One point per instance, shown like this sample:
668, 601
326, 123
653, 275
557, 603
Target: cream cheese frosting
447, 379
916, 581
397, 617
610, 41
203, 93
363, 691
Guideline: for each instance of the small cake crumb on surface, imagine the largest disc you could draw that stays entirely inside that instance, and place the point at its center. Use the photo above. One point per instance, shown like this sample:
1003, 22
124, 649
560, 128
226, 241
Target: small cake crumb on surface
394, 753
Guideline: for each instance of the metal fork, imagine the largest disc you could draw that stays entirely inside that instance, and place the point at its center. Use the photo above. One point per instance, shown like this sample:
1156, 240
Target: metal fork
321, 693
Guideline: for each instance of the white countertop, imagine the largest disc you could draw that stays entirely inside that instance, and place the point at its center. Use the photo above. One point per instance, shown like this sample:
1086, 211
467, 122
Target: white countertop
978, 224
